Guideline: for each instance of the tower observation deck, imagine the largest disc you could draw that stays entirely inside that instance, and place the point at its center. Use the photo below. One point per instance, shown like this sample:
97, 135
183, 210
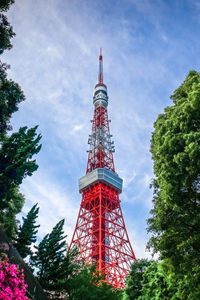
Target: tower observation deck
100, 231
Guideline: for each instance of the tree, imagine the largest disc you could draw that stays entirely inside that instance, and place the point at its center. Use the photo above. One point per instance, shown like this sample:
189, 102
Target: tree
6, 32
26, 234
11, 96
175, 149
16, 163
52, 266
11, 209
17, 149
16, 153
134, 281
89, 284
156, 284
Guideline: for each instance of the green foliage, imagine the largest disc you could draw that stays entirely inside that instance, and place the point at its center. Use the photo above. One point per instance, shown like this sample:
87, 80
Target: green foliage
52, 265
6, 31
134, 281
152, 280
89, 284
26, 234
16, 163
156, 284
12, 206
11, 95
175, 220
5, 4
16, 158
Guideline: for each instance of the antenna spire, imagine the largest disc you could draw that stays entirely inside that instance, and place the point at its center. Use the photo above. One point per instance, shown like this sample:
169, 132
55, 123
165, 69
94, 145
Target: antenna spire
100, 79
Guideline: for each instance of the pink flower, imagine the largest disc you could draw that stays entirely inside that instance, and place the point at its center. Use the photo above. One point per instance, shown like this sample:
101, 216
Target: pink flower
8, 290
2, 276
12, 285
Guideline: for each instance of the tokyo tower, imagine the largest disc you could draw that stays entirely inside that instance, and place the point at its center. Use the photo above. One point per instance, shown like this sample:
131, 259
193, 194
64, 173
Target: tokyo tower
100, 231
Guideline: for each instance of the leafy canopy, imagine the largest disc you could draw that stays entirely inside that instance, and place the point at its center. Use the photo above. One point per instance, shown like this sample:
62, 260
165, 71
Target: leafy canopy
175, 149
156, 284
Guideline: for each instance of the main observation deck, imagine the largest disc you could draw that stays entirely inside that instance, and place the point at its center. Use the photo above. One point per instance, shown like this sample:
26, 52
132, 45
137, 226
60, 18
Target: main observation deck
103, 175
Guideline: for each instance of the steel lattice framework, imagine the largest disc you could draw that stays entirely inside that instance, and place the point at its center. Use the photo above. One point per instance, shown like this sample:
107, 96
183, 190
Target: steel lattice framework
100, 231
101, 146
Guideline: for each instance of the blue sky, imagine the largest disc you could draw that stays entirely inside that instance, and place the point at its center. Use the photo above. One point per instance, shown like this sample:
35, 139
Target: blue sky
148, 49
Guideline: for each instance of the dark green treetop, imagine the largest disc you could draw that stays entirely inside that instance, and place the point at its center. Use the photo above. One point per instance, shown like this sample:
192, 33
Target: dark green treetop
26, 234
53, 267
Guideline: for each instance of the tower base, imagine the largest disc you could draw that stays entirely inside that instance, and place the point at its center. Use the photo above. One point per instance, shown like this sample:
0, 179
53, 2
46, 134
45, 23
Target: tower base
101, 235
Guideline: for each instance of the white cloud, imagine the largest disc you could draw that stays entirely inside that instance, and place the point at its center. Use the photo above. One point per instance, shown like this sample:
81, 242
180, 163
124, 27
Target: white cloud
55, 203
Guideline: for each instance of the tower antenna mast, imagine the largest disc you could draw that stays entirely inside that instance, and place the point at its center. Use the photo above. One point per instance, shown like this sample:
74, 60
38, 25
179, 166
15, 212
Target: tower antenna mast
100, 81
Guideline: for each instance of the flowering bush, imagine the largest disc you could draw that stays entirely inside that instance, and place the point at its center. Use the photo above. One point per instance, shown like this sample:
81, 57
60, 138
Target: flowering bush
12, 285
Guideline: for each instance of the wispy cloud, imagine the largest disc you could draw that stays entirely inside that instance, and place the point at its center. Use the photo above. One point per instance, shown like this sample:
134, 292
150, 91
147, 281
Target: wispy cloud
55, 202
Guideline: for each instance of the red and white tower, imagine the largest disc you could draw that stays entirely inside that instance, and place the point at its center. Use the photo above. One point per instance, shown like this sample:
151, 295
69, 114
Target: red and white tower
100, 231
